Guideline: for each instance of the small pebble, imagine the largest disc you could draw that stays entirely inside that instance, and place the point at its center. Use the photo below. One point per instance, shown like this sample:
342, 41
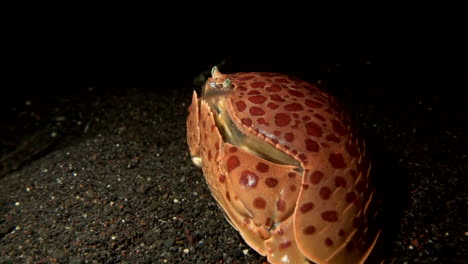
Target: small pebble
169, 242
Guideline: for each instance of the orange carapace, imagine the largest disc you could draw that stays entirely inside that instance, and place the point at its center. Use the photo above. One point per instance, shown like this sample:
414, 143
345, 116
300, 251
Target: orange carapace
284, 163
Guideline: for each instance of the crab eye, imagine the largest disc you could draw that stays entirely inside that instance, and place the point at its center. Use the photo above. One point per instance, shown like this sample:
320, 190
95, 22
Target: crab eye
227, 83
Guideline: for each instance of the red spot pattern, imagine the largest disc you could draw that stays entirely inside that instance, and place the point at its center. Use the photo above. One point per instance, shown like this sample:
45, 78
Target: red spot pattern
295, 93
303, 157
277, 98
284, 105
337, 161
313, 129
274, 88
259, 203
341, 233
316, 177
233, 149
271, 182
340, 182
280, 232
285, 245
338, 127
257, 85
325, 193
313, 104
257, 99
232, 163
222, 178
309, 230
289, 137
272, 106
281, 205
292, 188
296, 124
255, 92
306, 207
228, 196
330, 216
319, 117
311, 145
262, 121
262, 167
294, 107
282, 119
248, 179
256, 111
246, 121
332, 138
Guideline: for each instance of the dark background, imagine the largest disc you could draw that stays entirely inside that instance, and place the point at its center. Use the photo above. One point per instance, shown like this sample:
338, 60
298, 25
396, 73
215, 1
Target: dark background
409, 104
394, 81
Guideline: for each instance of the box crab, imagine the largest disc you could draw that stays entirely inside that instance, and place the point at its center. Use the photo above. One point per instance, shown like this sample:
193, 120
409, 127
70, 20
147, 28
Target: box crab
285, 165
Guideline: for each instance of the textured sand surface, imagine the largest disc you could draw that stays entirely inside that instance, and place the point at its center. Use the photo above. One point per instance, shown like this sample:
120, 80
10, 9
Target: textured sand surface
103, 175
